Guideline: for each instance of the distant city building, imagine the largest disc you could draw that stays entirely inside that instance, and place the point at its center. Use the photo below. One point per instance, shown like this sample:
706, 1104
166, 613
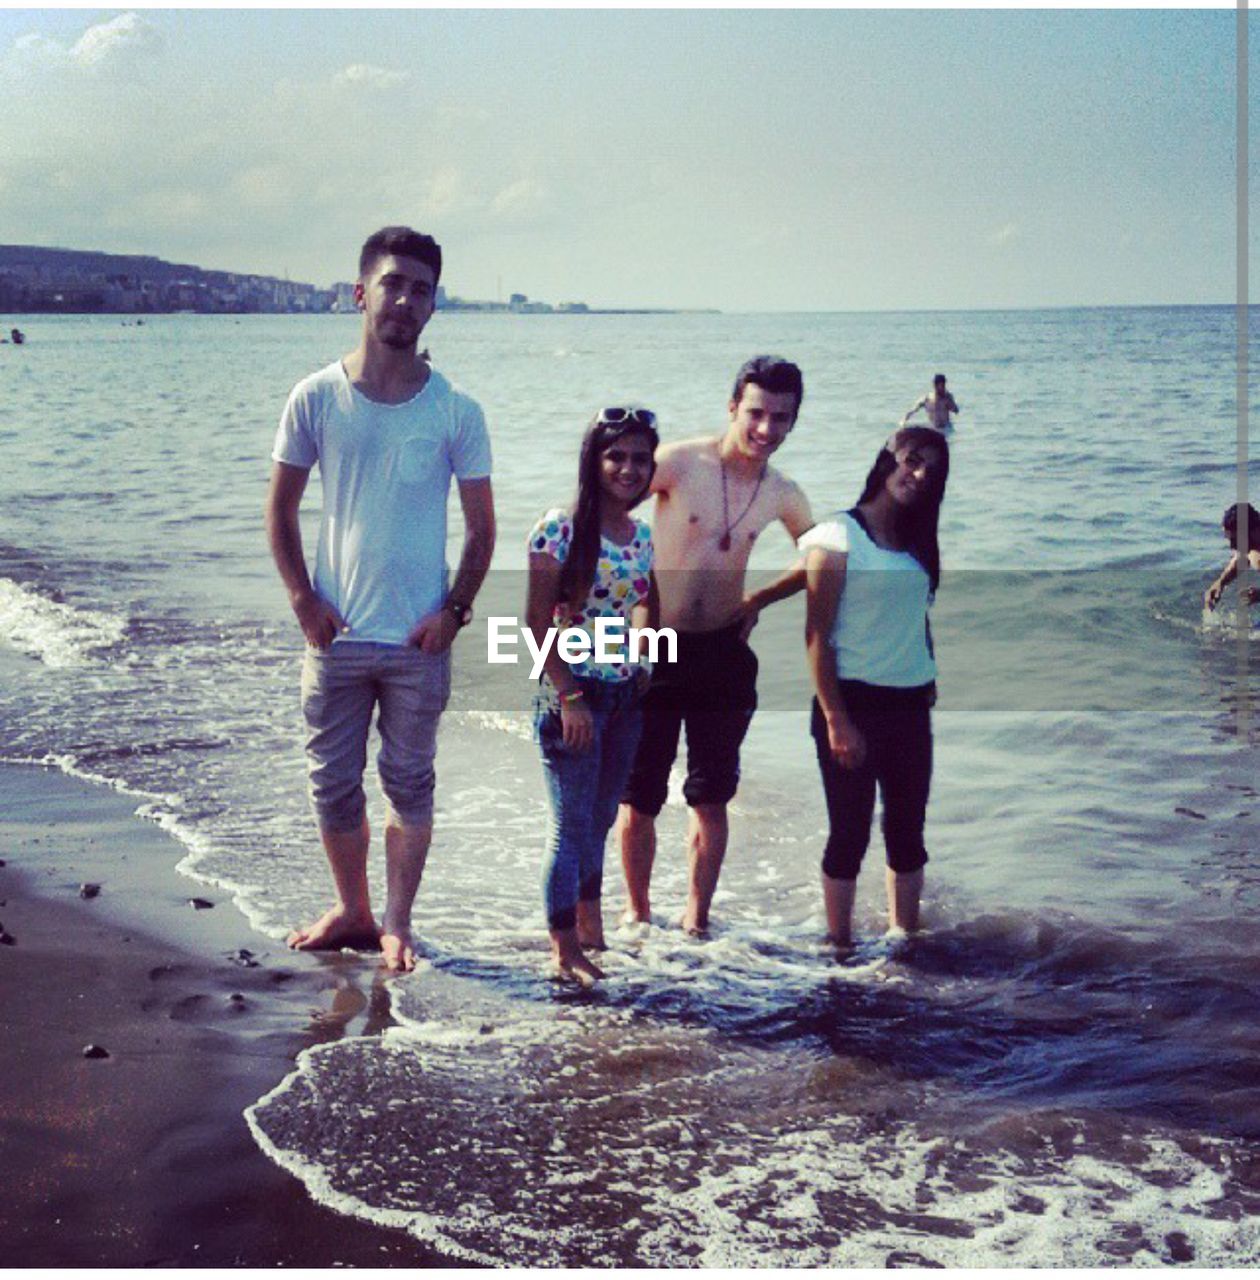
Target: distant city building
521, 304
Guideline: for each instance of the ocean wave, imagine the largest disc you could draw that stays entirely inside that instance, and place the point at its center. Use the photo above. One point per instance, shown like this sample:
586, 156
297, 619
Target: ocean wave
631, 1146
59, 635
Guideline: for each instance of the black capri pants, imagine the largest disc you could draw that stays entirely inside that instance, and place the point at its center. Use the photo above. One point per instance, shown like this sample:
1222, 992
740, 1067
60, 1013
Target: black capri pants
897, 726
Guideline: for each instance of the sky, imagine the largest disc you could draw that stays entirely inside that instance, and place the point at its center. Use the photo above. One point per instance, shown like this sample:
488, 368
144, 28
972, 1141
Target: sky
742, 160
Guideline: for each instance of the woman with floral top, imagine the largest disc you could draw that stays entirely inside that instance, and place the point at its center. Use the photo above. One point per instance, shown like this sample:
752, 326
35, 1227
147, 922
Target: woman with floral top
586, 563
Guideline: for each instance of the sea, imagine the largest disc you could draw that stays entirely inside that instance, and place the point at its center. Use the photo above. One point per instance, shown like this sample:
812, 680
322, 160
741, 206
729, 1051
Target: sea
1062, 1069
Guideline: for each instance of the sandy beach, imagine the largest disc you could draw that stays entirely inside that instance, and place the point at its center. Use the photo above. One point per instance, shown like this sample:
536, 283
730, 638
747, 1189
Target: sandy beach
143, 1158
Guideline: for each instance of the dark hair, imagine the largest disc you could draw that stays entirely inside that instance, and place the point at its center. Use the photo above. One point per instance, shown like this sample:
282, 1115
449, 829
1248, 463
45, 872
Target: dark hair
1229, 522
577, 574
770, 373
938, 377
916, 527
404, 242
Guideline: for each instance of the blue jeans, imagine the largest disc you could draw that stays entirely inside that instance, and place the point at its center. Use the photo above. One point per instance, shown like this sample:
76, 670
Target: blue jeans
584, 788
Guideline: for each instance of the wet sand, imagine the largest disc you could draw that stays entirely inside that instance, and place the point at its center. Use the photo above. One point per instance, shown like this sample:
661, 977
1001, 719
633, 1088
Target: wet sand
143, 1157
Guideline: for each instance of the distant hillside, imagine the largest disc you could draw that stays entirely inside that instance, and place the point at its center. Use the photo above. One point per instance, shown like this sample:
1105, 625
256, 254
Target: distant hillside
36, 278
89, 261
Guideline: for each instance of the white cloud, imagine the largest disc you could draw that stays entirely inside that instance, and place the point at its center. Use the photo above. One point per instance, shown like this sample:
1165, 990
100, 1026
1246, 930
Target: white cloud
446, 193
524, 196
125, 34
364, 75
33, 45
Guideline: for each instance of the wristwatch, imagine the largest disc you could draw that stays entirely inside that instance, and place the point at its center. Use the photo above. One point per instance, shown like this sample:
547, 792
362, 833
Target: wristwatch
461, 612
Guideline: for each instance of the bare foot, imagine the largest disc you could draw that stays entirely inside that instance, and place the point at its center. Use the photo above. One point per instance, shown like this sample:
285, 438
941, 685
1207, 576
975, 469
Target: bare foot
841, 946
629, 918
397, 951
693, 926
576, 969
898, 939
335, 929
590, 926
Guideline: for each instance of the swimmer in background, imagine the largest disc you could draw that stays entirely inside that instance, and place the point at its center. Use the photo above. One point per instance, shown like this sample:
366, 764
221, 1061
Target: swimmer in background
938, 404
1229, 526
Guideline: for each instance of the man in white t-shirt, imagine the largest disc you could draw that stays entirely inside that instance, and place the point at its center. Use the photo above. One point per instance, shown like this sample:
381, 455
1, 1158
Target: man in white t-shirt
388, 433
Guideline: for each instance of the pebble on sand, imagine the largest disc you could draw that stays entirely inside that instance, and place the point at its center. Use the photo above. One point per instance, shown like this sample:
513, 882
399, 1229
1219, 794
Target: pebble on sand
6, 938
94, 1051
89, 890
1179, 1247
1190, 813
901, 1258
200, 904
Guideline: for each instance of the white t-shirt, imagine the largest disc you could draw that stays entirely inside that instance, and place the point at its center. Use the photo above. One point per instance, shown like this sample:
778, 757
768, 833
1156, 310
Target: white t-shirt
386, 471
880, 633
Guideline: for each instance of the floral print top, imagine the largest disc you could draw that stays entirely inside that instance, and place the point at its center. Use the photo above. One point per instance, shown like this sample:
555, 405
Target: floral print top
621, 582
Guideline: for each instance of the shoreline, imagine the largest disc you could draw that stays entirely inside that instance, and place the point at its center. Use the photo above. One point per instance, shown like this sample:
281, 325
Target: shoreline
144, 1158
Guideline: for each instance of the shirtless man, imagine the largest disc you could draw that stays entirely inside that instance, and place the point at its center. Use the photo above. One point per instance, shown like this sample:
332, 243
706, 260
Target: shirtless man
938, 405
714, 496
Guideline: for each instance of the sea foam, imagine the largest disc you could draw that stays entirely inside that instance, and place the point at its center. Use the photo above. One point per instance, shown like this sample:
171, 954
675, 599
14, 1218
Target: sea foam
59, 635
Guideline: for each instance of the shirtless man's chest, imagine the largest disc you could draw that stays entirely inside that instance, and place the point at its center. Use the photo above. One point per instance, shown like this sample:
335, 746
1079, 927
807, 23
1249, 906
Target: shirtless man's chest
938, 410
703, 537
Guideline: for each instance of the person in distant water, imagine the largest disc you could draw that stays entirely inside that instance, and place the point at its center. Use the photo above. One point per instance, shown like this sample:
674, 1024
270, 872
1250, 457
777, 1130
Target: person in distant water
388, 432
17, 336
938, 404
589, 561
872, 574
1229, 526
714, 496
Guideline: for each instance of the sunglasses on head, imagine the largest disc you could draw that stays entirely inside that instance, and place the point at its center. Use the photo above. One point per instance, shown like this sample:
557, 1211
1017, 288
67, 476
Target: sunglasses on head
616, 415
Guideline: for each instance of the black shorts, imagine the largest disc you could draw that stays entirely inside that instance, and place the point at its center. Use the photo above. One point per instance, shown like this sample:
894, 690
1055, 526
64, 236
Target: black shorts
897, 726
712, 689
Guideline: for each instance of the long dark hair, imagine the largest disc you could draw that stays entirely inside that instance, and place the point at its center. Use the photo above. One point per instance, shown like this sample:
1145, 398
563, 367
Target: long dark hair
916, 527
577, 574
